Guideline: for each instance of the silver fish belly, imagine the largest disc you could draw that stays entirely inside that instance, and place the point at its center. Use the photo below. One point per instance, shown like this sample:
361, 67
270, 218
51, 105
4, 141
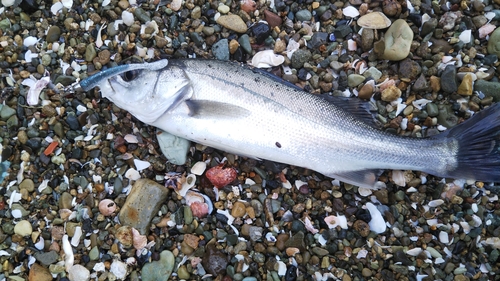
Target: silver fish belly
242, 111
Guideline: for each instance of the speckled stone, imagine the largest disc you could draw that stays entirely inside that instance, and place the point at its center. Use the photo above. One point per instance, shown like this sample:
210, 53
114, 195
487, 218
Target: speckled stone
143, 204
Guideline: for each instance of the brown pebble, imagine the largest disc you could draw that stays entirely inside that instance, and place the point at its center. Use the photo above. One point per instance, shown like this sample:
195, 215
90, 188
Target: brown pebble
366, 91
238, 210
272, 19
362, 228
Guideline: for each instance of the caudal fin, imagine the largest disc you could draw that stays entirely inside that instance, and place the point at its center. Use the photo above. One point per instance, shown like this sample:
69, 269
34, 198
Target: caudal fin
478, 153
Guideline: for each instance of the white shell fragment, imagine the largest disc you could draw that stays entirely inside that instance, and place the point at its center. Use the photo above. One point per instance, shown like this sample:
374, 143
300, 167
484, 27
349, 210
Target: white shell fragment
465, 36
198, 168
141, 165
363, 191
398, 177
67, 3
132, 174
443, 237
414, 252
266, 59
36, 87
377, 224
334, 221
435, 203
30, 41
350, 11
75, 240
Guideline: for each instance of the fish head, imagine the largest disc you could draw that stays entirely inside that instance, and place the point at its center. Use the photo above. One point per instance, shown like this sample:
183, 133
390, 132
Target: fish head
146, 90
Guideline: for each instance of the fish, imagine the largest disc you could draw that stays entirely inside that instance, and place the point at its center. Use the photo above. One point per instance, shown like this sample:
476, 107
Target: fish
249, 112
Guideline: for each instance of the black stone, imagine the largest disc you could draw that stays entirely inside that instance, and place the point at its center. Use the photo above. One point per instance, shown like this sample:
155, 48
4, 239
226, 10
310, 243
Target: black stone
72, 121
261, 31
490, 59
291, 273
34, 144
416, 19
342, 31
28, 6
318, 39
302, 74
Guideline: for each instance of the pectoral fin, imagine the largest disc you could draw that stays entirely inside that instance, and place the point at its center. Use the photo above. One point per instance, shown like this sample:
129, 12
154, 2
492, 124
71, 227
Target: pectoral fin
213, 109
361, 178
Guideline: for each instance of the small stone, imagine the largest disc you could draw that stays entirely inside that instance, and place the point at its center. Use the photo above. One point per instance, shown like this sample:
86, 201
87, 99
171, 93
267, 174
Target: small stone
409, 69
421, 84
488, 88
142, 204
39, 273
47, 258
366, 91
232, 22
354, 80
159, 270
27, 184
214, 261
78, 273
223, 9
272, 19
449, 79
398, 39
220, 50
6, 112
367, 39
366, 272
233, 46
374, 20
432, 109
90, 53
435, 83
300, 57
465, 87
53, 34
362, 228
173, 147
303, 15
238, 210
23, 228
391, 93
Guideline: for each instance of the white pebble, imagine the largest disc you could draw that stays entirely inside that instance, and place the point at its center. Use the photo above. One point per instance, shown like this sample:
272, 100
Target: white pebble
474, 207
67, 3
30, 41
363, 191
78, 273
55, 8
414, 252
119, 269
131, 138
443, 237
176, 5
128, 18
435, 203
281, 268
8, 3
23, 228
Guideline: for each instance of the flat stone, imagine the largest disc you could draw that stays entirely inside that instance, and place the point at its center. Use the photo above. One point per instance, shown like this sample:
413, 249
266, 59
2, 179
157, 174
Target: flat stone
28, 185
53, 34
374, 20
354, 80
465, 87
367, 39
494, 43
449, 79
366, 91
233, 22
220, 50
173, 147
373, 72
23, 228
303, 15
78, 273
409, 69
39, 273
6, 112
47, 258
398, 39
421, 84
143, 204
489, 89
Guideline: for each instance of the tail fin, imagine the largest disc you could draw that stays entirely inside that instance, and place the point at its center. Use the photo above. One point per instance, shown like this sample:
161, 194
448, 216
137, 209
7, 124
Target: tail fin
478, 155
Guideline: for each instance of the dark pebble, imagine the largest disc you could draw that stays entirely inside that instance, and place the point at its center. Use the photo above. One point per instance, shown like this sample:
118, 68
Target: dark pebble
72, 121
261, 31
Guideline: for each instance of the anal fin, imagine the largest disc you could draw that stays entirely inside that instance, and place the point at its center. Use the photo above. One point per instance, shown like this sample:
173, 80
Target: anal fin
361, 178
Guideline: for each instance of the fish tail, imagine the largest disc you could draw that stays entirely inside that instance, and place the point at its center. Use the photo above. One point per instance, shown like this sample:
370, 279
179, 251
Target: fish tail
478, 153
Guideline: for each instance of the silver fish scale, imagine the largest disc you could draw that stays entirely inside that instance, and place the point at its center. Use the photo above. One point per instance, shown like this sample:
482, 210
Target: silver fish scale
286, 125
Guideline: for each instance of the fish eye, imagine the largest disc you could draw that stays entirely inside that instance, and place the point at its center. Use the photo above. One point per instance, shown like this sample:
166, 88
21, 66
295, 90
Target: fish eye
130, 75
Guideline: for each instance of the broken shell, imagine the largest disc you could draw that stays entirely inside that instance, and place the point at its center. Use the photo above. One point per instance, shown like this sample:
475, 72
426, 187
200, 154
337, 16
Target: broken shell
266, 59
140, 241
350, 11
188, 183
351, 45
107, 207
199, 168
199, 203
334, 221
435, 203
374, 20
248, 6
131, 138
363, 191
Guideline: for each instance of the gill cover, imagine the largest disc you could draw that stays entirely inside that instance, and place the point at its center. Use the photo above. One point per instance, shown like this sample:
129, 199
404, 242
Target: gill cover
146, 90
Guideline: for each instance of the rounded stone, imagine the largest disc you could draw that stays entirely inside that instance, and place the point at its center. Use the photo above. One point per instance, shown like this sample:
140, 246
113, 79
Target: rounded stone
23, 228
53, 34
238, 210
494, 43
397, 41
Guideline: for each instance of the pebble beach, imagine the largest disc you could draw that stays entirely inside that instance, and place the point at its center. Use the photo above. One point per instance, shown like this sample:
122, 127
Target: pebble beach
87, 193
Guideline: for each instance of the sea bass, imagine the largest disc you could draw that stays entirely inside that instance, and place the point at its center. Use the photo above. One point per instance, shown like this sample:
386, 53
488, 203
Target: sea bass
244, 111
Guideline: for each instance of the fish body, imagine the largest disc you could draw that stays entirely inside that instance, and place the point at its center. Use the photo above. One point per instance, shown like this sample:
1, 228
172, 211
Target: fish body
243, 111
